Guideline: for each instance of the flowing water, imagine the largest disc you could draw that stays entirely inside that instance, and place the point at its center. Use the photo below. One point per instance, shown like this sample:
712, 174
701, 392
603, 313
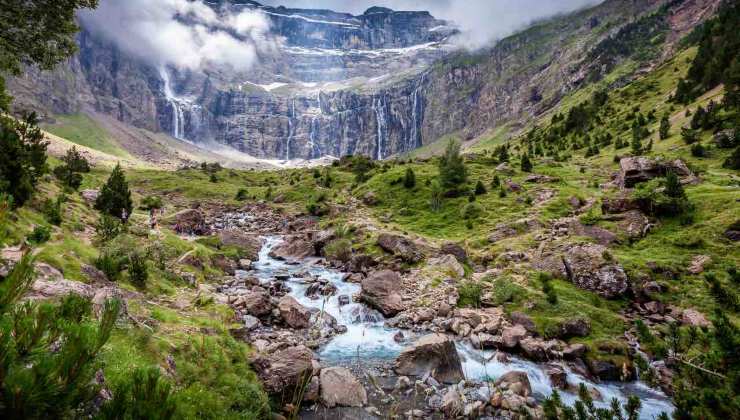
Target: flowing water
367, 338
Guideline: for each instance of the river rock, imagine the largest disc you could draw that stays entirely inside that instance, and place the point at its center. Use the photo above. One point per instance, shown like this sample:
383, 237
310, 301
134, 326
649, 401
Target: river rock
452, 404
574, 351
557, 375
515, 381
574, 327
312, 391
343, 300
511, 336
281, 371
190, 222
293, 313
250, 245
520, 318
381, 290
255, 302
339, 387
604, 369
251, 323
433, 354
292, 249
400, 247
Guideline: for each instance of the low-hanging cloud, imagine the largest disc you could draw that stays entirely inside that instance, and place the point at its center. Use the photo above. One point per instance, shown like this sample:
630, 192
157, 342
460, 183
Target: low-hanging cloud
481, 21
182, 33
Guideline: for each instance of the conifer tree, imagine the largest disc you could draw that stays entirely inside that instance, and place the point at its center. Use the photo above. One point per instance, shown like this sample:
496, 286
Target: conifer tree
115, 197
665, 127
452, 170
409, 179
526, 165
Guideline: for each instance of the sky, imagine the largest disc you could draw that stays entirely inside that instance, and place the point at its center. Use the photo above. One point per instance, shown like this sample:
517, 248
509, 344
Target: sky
149, 28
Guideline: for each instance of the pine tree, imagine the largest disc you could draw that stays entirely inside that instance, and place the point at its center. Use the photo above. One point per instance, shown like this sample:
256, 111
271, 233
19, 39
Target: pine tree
673, 187
665, 127
49, 351
115, 197
22, 157
69, 173
495, 182
526, 165
409, 179
480, 189
452, 170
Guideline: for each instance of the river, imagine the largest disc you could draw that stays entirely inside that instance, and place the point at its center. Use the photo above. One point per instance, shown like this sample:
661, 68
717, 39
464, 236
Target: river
367, 338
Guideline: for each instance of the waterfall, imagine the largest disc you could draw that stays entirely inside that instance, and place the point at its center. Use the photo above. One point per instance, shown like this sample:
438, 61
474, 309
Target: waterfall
178, 115
379, 105
291, 116
312, 139
417, 112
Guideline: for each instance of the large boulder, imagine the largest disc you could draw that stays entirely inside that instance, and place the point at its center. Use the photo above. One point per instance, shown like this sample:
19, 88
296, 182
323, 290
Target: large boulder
190, 222
339, 387
591, 267
433, 354
249, 244
293, 248
515, 381
456, 250
282, 371
694, 318
400, 247
512, 335
636, 169
382, 291
293, 313
575, 327
255, 302
90, 196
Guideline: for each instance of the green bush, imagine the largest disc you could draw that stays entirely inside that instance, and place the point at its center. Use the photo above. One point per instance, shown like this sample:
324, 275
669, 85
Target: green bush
143, 395
471, 211
108, 227
111, 265
52, 210
339, 250
138, 271
409, 179
480, 189
151, 202
39, 235
469, 293
242, 195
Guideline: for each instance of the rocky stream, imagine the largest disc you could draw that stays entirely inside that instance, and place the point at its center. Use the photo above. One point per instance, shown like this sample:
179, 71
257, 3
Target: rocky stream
356, 363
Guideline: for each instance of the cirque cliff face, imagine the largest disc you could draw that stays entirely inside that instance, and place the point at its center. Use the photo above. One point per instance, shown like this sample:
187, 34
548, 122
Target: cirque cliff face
379, 84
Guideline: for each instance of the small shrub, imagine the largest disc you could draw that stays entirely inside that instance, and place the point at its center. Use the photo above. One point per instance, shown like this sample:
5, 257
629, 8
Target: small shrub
698, 150
242, 195
143, 395
409, 179
108, 227
469, 294
151, 203
110, 265
52, 210
471, 211
138, 271
480, 189
590, 218
339, 250
39, 235
733, 161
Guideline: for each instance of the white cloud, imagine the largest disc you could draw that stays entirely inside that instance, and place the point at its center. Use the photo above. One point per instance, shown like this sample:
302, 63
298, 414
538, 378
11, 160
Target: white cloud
186, 34
482, 21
